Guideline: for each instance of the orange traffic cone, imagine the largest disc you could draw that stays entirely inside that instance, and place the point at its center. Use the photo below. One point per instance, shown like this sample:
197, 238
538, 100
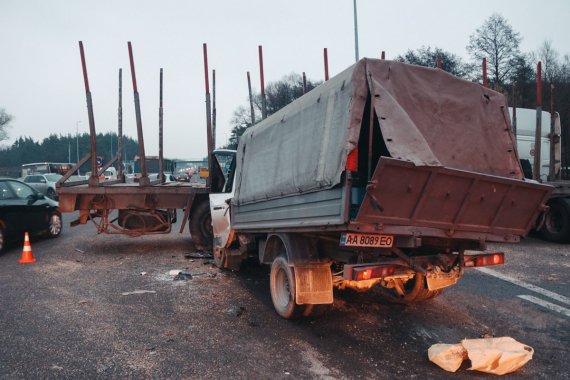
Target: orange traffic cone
27, 255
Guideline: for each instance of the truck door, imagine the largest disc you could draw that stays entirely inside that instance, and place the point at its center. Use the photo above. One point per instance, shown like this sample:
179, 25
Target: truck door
219, 201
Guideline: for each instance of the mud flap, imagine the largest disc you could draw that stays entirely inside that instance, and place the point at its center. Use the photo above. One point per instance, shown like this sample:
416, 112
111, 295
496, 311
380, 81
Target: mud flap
440, 283
313, 284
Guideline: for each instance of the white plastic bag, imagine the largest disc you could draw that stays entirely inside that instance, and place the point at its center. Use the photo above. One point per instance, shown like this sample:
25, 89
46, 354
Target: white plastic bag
498, 356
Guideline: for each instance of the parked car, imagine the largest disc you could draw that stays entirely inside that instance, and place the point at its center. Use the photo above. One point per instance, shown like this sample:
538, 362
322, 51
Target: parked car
44, 183
24, 209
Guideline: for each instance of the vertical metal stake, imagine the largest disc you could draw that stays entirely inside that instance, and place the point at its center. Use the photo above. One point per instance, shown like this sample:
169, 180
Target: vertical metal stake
250, 100
93, 179
263, 99
160, 135
538, 131
120, 175
143, 180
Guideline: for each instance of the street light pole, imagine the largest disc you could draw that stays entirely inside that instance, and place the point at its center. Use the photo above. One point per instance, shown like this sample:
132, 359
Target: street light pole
356, 57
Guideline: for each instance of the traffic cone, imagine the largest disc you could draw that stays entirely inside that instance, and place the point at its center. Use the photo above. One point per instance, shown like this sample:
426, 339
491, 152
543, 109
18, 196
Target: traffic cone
27, 255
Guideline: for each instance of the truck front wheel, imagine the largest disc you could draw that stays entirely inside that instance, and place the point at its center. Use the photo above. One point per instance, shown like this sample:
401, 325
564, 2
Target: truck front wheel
282, 284
201, 226
556, 225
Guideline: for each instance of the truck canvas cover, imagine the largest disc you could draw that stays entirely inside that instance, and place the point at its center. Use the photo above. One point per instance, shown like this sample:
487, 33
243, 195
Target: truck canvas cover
427, 117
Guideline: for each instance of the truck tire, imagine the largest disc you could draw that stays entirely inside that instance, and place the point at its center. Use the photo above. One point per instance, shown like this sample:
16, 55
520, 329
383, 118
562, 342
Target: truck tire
556, 225
282, 285
200, 227
415, 290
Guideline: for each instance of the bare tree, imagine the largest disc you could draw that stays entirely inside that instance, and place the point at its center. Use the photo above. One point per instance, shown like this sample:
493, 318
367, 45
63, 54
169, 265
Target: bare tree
550, 60
426, 56
499, 43
5, 119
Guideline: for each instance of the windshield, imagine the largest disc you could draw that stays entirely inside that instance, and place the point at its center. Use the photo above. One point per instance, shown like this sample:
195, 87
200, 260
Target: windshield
53, 177
21, 190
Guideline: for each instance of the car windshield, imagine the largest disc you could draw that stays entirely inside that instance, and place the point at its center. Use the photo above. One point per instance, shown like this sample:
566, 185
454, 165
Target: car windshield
21, 190
53, 177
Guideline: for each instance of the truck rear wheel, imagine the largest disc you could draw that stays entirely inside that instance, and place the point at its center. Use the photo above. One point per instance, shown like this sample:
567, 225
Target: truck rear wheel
556, 225
282, 285
414, 290
201, 226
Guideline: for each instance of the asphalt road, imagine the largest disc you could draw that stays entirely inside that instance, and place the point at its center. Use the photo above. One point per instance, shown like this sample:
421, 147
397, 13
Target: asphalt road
66, 316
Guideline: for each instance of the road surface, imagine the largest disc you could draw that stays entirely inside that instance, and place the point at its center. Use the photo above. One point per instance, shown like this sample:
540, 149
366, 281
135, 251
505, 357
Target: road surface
66, 316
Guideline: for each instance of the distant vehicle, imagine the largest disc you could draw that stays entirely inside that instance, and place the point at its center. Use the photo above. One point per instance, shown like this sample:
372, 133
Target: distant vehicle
152, 166
46, 168
183, 177
203, 171
23, 209
44, 183
110, 173
168, 177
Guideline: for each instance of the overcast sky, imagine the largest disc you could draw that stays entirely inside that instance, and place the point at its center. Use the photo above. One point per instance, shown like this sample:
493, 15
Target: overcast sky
41, 82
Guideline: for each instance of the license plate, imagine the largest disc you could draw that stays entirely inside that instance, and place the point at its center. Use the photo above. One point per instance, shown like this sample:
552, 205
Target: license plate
349, 239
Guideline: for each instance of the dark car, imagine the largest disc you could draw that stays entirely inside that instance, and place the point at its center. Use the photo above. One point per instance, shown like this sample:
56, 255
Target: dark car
23, 209
183, 177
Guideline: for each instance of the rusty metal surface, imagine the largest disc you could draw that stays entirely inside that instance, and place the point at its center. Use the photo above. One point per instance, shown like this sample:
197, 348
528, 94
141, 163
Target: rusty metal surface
403, 194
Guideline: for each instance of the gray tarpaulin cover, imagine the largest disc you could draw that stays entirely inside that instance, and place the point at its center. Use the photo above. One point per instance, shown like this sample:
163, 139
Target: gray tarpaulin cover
426, 116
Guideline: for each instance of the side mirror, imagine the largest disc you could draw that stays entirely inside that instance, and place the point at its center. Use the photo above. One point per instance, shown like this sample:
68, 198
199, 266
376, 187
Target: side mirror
40, 196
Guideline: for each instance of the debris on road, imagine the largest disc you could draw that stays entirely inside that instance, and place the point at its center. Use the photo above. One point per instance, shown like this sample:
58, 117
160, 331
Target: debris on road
447, 356
138, 292
174, 272
497, 356
197, 255
79, 250
183, 276
189, 276
143, 273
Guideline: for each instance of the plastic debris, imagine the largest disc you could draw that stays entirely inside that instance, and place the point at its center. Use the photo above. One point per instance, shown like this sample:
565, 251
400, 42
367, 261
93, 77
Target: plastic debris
174, 272
447, 356
138, 292
79, 250
497, 356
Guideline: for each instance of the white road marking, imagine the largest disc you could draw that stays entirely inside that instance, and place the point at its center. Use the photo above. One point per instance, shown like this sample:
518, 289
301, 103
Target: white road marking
546, 304
534, 288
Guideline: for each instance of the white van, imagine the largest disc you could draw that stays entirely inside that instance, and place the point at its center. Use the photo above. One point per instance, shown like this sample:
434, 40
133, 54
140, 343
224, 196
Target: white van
526, 127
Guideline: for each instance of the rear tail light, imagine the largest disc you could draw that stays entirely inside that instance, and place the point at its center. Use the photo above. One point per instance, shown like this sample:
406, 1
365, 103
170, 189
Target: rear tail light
485, 260
352, 161
360, 274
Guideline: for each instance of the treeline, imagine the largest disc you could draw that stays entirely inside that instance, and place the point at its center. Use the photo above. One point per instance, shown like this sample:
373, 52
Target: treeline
62, 148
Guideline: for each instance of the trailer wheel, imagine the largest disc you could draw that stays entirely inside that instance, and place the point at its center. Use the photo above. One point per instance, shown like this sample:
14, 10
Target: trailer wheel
556, 225
201, 226
415, 290
282, 285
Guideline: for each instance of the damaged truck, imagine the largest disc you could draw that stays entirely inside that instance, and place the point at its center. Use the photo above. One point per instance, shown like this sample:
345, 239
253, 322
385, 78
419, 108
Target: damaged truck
388, 175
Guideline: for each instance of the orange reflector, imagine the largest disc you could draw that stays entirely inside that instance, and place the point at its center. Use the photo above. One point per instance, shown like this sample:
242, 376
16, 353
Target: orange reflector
490, 259
352, 161
360, 274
